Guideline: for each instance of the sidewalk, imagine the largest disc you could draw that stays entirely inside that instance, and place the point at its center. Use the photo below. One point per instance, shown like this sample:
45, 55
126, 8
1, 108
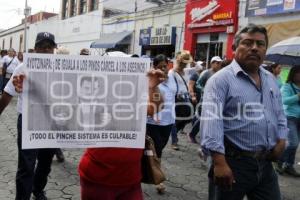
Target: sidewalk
186, 173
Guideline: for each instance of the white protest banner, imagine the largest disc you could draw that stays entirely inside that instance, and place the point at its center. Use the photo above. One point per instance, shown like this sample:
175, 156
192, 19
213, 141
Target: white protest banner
84, 101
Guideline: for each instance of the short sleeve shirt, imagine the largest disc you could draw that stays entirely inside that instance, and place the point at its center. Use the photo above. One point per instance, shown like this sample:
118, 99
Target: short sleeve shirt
13, 65
10, 88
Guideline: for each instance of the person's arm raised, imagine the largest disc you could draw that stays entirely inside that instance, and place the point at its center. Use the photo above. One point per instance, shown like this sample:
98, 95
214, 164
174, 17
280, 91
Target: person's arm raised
155, 100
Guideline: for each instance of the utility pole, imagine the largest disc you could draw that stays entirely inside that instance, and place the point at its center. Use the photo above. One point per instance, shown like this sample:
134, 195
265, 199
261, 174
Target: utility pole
26, 13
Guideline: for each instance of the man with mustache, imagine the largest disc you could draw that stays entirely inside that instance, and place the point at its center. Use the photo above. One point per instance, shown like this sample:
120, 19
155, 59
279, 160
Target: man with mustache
243, 127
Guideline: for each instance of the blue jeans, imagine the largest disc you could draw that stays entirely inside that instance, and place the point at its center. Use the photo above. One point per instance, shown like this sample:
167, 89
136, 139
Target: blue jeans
30, 178
288, 157
254, 178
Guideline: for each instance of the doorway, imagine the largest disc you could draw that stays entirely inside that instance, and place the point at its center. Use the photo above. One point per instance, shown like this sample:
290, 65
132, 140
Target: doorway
205, 51
209, 45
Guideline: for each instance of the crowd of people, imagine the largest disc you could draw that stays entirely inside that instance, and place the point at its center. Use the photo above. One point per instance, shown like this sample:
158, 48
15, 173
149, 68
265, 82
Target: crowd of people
247, 119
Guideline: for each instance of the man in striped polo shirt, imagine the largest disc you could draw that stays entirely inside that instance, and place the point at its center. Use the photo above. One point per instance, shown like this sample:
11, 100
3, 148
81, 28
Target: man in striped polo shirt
243, 126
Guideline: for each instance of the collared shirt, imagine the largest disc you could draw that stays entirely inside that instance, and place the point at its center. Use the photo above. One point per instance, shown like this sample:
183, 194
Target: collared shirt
233, 106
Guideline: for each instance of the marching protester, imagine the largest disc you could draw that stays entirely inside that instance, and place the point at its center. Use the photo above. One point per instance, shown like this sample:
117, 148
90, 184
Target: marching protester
183, 58
115, 173
20, 57
159, 126
291, 103
275, 69
10, 62
3, 53
31, 176
243, 144
215, 65
84, 52
195, 97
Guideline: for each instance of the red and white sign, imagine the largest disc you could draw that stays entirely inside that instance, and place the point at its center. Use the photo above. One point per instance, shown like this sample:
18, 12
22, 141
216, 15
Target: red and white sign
210, 16
207, 13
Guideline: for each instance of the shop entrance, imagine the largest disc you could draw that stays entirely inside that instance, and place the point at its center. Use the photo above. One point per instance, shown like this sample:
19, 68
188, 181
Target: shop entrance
209, 45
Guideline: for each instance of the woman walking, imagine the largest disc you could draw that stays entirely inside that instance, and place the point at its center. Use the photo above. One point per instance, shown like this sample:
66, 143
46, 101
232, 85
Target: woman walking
159, 125
291, 103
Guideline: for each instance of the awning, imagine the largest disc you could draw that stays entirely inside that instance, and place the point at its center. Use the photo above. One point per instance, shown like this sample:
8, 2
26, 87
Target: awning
110, 40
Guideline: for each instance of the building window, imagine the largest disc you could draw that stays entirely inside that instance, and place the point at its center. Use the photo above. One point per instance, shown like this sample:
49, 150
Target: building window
73, 8
94, 5
3, 44
83, 6
65, 8
10, 42
21, 43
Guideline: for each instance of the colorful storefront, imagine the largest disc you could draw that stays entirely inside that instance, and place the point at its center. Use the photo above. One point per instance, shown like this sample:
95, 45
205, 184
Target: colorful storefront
210, 26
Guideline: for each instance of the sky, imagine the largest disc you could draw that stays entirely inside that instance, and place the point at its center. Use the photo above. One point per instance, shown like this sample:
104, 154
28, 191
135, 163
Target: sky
12, 11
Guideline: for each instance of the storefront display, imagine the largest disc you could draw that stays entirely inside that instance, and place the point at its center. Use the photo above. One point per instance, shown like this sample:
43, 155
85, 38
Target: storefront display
210, 27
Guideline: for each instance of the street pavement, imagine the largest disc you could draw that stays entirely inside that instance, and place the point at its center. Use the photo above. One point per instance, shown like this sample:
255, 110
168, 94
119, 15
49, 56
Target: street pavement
186, 173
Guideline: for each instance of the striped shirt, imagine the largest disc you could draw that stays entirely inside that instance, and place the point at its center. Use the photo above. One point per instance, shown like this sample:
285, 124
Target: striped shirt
233, 106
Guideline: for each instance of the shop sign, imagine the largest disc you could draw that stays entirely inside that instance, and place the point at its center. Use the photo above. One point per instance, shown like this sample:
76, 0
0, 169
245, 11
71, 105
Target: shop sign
271, 7
162, 36
158, 36
145, 37
209, 13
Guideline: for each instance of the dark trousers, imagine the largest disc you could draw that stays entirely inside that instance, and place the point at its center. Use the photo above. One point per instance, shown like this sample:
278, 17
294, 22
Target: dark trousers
30, 178
1, 83
4, 82
254, 178
196, 126
160, 136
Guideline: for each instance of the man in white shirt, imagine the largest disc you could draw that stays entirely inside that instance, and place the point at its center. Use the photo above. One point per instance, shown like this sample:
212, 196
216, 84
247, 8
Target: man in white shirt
10, 63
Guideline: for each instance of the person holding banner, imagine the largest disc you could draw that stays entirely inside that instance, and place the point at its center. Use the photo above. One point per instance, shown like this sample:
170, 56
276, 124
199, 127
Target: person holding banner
115, 173
159, 126
30, 177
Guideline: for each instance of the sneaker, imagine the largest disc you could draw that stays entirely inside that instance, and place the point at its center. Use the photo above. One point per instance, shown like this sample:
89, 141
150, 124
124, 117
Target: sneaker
160, 188
40, 196
192, 139
175, 147
278, 167
291, 171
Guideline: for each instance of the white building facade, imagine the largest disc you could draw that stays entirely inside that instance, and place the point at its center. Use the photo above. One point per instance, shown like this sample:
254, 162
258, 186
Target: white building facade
13, 38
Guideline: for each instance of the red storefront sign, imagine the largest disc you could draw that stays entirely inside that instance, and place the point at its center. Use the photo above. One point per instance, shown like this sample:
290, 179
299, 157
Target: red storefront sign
205, 16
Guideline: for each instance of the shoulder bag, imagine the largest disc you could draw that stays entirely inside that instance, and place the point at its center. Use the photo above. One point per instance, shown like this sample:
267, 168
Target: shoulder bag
151, 168
183, 104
